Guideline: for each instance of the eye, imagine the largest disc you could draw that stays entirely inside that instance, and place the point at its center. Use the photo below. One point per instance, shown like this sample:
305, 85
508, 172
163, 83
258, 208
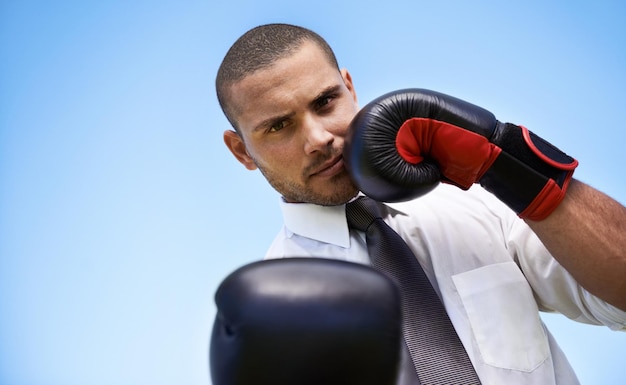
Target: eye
277, 126
323, 101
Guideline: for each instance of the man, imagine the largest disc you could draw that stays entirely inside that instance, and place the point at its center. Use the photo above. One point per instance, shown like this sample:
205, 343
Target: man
290, 106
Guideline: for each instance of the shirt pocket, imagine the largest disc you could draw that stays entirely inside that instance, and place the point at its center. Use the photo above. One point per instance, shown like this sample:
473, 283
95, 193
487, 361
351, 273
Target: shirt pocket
503, 316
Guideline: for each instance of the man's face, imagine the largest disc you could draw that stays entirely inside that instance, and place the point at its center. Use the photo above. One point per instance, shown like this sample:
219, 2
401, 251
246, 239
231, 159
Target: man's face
293, 117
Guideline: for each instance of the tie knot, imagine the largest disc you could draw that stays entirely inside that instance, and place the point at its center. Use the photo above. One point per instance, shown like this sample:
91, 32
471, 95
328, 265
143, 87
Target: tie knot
362, 212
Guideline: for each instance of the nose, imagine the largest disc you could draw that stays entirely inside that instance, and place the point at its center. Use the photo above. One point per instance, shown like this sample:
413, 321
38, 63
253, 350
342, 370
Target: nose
317, 136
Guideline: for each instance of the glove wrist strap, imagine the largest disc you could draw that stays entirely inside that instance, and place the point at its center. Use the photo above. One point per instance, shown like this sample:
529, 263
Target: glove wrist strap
530, 175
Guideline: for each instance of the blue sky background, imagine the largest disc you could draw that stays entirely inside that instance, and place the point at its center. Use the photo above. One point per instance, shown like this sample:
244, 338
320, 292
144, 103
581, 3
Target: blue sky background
121, 210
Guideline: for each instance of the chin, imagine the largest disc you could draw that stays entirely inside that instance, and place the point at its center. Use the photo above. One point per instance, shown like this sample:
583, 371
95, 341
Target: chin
333, 192
339, 193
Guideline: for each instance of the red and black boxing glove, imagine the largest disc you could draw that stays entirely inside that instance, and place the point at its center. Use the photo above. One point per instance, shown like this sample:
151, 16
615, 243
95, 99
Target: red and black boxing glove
306, 321
402, 144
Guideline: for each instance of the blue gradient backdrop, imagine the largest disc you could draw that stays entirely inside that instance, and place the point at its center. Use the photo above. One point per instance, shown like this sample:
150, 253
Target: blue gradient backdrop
121, 210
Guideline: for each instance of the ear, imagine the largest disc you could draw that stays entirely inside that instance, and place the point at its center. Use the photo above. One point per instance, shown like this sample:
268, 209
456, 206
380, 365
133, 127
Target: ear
347, 80
236, 145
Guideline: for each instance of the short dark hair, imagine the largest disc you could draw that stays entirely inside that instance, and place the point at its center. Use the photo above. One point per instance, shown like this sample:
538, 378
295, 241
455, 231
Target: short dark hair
259, 48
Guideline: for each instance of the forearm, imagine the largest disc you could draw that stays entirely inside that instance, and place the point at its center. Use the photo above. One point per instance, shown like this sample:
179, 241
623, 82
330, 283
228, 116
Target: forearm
587, 235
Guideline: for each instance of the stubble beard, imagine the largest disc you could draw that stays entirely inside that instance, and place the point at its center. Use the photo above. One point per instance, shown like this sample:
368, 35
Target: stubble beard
340, 188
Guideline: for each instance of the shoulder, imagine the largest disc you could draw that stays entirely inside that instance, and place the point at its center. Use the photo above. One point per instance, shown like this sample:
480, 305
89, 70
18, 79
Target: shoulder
278, 246
450, 223
450, 203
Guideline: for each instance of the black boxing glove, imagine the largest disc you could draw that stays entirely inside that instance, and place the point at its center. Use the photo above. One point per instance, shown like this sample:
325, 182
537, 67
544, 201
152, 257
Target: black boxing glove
306, 321
403, 143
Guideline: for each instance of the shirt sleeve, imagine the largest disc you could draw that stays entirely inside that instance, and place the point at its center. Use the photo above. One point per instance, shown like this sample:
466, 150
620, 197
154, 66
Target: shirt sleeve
554, 287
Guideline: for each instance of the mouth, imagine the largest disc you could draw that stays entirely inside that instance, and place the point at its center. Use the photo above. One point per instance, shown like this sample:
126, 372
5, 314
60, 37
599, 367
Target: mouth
331, 168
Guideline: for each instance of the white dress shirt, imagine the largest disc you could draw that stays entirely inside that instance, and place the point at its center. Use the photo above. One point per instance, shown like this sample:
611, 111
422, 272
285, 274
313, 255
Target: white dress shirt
491, 271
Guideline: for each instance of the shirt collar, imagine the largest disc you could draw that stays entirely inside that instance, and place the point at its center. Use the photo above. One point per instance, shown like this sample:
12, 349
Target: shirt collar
326, 224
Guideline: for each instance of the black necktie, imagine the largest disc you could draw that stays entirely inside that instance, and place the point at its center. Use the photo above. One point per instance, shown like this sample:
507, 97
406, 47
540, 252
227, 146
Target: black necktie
434, 346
